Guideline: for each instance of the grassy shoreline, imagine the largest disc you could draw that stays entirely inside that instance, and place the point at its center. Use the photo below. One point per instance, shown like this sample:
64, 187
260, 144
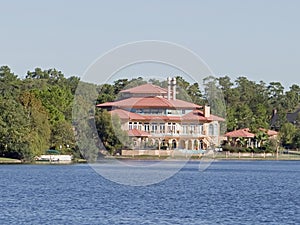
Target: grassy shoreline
157, 158
9, 161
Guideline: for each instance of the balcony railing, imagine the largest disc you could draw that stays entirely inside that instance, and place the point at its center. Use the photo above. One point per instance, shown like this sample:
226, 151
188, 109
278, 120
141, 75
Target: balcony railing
177, 134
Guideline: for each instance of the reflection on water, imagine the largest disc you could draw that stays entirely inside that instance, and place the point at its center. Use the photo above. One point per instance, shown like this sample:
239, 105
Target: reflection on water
228, 192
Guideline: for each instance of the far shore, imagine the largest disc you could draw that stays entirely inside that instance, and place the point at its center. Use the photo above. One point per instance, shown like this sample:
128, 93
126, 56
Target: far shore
196, 158
216, 157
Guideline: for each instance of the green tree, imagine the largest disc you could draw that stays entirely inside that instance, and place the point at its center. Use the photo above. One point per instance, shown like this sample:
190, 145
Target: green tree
62, 137
244, 116
14, 129
261, 138
39, 127
287, 134
110, 132
83, 121
292, 98
214, 97
276, 94
57, 101
106, 93
9, 83
195, 94
120, 84
296, 139
226, 86
246, 89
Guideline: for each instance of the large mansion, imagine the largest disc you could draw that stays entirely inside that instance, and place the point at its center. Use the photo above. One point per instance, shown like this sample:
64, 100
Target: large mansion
151, 114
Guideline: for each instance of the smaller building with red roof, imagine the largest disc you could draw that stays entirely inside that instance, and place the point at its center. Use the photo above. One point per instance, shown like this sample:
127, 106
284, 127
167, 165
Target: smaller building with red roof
244, 133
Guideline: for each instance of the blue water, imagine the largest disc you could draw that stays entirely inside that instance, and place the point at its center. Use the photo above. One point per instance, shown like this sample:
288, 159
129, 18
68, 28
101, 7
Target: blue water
228, 192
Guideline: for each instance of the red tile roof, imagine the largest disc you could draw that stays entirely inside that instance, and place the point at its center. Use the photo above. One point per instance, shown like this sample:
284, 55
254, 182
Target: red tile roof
269, 132
197, 115
272, 132
138, 133
150, 102
126, 115
240, 133
146, 89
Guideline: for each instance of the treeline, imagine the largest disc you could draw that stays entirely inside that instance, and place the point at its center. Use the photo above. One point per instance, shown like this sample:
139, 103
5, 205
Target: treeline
36, 111
244, 103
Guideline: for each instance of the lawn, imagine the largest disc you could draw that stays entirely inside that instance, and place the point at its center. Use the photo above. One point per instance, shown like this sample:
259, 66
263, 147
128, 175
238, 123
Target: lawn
9, 160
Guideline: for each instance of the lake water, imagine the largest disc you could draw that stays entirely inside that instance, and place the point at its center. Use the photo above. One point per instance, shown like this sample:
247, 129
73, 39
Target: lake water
228, 192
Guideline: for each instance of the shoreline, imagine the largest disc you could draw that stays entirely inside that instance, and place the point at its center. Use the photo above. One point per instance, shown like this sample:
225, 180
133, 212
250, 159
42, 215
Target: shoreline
155, 158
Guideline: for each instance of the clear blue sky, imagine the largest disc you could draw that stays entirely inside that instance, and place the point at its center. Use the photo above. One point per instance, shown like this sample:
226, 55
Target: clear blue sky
259, 39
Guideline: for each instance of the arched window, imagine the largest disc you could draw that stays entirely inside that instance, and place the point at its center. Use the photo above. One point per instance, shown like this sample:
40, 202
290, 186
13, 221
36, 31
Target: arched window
201, 144
174, 144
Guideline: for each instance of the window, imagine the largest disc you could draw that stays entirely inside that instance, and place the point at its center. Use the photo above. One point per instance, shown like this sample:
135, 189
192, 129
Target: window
130, 126
154, 127
162, 128
174, 128
216, 130
200, 129
147, 127
146, 111
193, 128
154, 111
211, 130
169, 127
184, 128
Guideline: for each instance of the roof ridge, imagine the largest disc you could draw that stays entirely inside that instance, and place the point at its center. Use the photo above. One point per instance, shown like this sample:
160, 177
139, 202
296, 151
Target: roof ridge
147, 84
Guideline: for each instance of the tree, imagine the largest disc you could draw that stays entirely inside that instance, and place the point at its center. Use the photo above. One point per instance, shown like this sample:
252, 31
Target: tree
9, 82
260, 117
287, 134
214, 97
57, 101
120, 85
110, 132
296, 139
6, 75
246, 89
38, 73
276, 91
261, 138
226, 85
106, 94
181, 82
14, 130
195, 94
62, 137
244, 116
292, 98
38, 136
83, 114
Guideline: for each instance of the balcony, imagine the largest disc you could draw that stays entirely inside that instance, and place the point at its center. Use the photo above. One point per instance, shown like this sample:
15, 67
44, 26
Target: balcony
177, 134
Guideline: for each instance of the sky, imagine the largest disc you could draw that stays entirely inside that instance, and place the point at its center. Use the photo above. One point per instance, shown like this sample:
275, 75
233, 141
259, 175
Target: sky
258, 39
